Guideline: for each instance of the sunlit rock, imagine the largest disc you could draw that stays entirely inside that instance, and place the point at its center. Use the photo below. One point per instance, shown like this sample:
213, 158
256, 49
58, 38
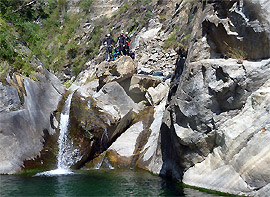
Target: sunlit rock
28, 119
113, 99
140, 83
156, 94
117, 70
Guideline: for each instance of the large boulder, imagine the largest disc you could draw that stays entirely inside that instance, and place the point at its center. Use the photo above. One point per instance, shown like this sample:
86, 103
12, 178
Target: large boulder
140, 83
118, 70
139, 146
113, 100
157, 94
125, 145
97, 119
91, 130
88, 89
28, 110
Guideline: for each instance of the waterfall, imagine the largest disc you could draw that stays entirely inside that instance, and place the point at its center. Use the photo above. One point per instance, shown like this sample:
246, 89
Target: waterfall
64, 157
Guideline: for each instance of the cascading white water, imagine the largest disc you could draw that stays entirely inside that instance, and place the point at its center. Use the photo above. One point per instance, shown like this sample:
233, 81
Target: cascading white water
64, 158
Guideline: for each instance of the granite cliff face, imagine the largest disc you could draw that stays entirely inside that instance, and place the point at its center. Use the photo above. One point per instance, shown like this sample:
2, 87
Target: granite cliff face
216, 121
28, 117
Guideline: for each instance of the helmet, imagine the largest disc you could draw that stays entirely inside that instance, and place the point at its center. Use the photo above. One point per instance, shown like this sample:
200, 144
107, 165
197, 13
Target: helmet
126, 33
122, 32
108, 35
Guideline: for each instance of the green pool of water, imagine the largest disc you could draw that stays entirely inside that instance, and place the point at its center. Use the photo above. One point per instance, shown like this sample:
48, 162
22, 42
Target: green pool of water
93, 183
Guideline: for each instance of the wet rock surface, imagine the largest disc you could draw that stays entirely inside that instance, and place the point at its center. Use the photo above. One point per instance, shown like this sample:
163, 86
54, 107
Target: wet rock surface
92, 130
28, 116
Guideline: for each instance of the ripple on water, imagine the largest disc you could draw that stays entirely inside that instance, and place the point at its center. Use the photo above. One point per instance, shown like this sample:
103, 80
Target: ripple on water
61, 182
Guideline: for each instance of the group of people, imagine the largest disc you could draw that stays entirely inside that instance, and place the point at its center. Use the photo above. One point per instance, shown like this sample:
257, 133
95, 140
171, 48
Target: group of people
121, 46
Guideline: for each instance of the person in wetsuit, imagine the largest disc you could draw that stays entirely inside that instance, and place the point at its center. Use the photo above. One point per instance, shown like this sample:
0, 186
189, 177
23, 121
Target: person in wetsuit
109, 42
127, 41
121, 43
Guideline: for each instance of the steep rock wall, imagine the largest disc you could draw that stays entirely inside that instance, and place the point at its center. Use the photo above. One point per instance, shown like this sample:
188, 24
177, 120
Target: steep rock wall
27, 117
213, 128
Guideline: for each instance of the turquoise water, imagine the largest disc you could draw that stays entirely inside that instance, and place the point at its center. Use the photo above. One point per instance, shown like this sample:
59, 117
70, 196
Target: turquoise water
93, 183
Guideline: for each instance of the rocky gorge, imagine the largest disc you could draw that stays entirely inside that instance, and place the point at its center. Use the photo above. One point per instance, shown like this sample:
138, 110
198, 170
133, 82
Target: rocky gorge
193, 105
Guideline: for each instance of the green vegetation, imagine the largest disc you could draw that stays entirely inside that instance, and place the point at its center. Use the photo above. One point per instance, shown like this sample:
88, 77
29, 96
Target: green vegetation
7, 42
44, 29
17, 29
61, 4
10, 53
163, 16
85, 5
148, 1
148, 15
170, 42
177, 28
124, 8
53, 42
3, 68
59, 48
236, 53
133, 15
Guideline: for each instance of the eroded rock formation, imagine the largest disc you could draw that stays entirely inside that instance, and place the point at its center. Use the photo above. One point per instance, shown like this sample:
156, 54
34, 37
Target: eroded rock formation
217, 113
122, 121
28, 117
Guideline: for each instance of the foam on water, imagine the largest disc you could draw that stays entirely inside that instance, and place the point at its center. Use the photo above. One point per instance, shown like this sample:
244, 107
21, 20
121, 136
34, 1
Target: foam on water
56, 172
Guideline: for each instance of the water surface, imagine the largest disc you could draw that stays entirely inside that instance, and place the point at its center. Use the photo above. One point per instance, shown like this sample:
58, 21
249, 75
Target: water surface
93, 183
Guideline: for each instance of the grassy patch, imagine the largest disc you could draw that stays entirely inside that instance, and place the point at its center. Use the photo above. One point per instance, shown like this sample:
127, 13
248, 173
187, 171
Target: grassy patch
52, 42
148, 15
170, 42
12, 57
163, 16
176, 28
3, 68
236, 53
17, 28
124, 8
86, 5
68, 84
